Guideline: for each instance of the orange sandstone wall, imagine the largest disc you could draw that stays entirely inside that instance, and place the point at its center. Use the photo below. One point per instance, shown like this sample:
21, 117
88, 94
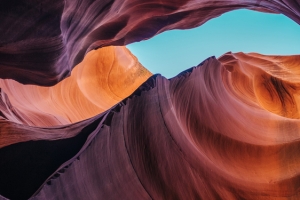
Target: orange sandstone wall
105, 77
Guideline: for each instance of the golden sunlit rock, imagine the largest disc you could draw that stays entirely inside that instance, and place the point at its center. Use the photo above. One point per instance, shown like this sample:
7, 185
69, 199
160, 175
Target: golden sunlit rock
102, 79
273, 82
226, 129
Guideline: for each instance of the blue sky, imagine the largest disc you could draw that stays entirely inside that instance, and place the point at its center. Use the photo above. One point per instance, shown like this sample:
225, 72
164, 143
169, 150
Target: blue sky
173, 51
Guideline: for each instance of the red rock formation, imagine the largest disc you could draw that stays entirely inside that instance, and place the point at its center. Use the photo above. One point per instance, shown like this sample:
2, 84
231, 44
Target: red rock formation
204, 134
227, 129
272, 82
42, 41
104, 78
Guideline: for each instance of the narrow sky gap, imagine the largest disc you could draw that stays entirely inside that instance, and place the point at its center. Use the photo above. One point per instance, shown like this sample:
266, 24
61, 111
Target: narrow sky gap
171, 52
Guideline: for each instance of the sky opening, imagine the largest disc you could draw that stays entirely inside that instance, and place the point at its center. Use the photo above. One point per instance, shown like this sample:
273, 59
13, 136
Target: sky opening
171, 52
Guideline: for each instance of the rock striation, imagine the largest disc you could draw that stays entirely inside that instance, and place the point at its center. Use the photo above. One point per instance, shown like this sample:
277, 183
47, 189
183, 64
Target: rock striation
204, 134
226, 129
104, 78
41, 42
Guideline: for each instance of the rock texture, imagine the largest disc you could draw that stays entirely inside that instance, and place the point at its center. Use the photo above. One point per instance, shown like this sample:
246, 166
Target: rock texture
104, 78
273, 82
199, 135
226, 129
42, 41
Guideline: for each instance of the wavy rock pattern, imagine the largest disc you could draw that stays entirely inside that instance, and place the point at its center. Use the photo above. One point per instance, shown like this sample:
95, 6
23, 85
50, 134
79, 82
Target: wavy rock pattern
273, 82
104, 78
199, 135
227, 129
56, 34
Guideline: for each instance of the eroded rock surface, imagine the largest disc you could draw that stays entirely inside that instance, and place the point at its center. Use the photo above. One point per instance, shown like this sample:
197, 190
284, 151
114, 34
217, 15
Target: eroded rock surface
104, 78
204, 134
226, 129
41, 42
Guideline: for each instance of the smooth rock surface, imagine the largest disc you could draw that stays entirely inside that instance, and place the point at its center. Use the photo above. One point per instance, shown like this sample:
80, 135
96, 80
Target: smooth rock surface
41, 42
105, 77
203, 134
226, 129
